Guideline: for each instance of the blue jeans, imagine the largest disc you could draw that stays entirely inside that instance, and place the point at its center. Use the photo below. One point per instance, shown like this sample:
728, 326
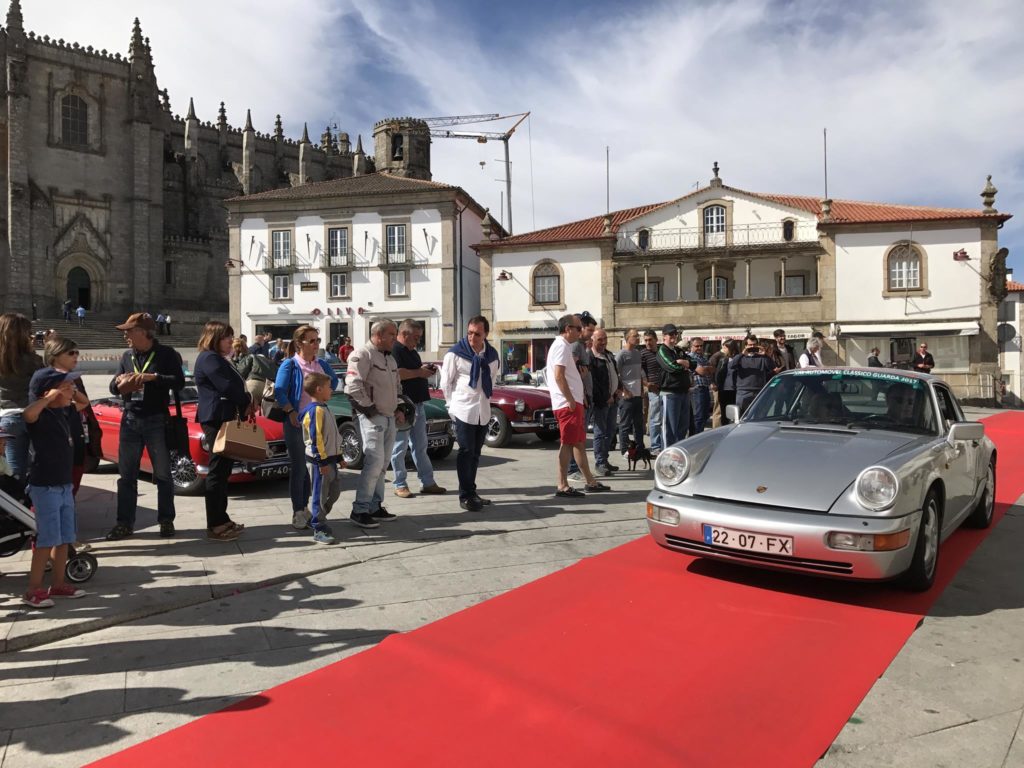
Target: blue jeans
298, 474
605, 417
675, 416
18, 443
471, 442
417, 438
378, 435
654, 420
138, 432
700, 403
631, 422
573, 466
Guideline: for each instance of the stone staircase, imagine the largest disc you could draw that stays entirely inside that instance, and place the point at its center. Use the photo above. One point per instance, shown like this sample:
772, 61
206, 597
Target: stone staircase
99, 332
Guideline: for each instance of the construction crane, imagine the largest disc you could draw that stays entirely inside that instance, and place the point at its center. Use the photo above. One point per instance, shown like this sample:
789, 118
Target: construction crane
437, 124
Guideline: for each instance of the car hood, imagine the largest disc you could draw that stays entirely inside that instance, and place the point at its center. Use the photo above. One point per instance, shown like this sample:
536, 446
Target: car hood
795, 467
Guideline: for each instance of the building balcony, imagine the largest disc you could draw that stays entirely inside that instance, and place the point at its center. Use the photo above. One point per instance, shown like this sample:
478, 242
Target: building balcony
710, 313
396, 260
279, 263
782, 235
339, 261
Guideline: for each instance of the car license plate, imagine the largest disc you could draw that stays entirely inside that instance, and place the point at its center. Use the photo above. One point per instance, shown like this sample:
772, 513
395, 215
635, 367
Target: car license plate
437, 442
751, 542
274, 471
550, 424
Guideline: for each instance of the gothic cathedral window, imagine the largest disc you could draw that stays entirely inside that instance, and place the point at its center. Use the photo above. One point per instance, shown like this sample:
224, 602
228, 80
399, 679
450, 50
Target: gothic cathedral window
74, 121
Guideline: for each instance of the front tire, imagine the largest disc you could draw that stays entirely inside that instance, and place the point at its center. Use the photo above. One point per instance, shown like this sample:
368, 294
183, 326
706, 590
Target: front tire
982, 515
920, 576
185, 477
351, 444
499, 431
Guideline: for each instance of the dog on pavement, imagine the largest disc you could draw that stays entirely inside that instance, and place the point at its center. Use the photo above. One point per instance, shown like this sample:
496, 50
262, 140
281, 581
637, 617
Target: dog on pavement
635, 455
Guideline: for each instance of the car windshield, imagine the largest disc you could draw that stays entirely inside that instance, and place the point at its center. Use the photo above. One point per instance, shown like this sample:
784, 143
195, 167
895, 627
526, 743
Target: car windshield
851, 399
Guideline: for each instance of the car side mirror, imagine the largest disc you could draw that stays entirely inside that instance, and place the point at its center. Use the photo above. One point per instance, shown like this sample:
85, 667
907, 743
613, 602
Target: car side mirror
964, 431
732, 413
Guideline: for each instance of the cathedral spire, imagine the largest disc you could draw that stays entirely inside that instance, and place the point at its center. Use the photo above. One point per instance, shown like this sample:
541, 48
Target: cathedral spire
248, 120
305, 133
278, 129
138, 47
15, 21
359, 144
222, 116
191, 110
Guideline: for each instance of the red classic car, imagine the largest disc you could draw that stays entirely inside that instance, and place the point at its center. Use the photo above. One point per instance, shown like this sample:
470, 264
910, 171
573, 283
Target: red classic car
515, 410
189, 472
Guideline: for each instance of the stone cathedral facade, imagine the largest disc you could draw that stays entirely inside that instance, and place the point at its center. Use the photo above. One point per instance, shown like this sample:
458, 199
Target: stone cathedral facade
111, 200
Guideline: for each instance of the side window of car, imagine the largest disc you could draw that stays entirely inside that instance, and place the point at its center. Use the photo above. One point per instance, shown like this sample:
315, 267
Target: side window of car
947, 407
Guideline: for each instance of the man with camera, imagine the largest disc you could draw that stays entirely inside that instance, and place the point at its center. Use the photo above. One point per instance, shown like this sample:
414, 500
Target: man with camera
413, 373
750, 371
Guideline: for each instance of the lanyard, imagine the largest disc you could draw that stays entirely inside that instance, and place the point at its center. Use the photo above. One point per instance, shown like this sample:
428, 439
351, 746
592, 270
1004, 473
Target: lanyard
149, 360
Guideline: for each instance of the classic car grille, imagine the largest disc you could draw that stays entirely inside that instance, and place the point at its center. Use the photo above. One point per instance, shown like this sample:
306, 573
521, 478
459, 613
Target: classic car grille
700, 548
276, 448
543, 414
437, 426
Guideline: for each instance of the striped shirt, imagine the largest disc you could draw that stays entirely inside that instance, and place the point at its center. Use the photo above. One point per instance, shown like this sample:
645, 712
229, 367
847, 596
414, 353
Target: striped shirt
323, 442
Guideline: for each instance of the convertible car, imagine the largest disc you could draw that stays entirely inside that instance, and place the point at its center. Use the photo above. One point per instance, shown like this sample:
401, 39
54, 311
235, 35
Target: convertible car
189, 472
851, 473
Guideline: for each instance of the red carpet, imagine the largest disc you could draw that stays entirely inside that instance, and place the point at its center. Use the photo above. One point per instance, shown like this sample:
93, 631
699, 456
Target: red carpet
636, 657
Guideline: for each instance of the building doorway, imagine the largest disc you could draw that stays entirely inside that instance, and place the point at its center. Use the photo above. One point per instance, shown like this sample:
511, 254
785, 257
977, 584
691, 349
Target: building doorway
79, 288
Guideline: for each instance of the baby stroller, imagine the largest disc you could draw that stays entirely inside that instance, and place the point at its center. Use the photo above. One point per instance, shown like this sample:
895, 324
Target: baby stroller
18, 526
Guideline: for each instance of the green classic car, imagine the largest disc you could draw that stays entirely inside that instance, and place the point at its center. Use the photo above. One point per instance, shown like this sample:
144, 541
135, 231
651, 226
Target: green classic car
440, 430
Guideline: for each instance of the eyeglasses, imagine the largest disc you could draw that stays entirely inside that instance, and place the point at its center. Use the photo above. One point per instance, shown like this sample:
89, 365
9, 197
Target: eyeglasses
74, 352
311, 341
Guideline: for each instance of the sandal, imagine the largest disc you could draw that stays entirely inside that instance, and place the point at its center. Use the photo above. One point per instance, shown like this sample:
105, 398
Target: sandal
227, 533
569, 493
237, 526
596, 487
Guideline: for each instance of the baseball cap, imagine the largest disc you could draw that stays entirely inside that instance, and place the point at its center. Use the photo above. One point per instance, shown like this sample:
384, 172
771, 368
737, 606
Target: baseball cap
46, 379
138, 320
669, 328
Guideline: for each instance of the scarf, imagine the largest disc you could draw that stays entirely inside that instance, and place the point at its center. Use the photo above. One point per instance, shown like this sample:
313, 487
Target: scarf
480, 365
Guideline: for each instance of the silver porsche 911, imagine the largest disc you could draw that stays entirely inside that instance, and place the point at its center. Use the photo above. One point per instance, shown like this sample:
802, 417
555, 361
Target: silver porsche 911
856, 473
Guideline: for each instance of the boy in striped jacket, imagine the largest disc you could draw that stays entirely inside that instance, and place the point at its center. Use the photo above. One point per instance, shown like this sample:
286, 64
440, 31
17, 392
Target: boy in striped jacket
323, 451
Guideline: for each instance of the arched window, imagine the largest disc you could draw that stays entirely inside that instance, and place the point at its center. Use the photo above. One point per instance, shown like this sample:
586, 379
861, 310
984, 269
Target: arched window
788, 228
904, 268
74, 121
547, 284
397, 147
720, 289
714, 219
643, 239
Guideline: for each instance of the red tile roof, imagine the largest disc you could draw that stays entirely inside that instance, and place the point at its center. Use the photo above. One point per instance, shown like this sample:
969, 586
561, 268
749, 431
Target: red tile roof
860, 212
1012, 286
354, 186
585, 229
843, 212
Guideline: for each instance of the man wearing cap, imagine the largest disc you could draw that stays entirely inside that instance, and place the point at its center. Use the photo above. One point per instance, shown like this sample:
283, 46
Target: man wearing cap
147, 374
675, 386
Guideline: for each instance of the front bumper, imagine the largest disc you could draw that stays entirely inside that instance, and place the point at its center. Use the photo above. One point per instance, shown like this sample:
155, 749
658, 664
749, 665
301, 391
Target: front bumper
277, 467
811, 553
541, 420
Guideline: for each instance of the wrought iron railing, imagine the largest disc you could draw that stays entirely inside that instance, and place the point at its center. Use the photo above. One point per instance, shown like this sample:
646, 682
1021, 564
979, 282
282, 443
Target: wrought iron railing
742, 235
338, 260
395, 259
281, 261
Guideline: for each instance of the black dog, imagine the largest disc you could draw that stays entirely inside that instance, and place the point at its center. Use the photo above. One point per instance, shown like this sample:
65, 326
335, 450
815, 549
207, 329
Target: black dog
634, 455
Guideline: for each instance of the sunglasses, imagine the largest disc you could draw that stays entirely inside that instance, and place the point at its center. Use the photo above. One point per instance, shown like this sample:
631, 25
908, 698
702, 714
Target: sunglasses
311, 341
74, 352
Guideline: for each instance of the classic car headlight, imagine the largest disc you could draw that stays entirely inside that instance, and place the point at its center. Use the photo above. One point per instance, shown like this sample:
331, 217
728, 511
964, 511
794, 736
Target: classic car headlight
876, 488
204, 443
672, 466
520, 406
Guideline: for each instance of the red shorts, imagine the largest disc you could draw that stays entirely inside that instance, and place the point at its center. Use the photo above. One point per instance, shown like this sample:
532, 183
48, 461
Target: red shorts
571, 426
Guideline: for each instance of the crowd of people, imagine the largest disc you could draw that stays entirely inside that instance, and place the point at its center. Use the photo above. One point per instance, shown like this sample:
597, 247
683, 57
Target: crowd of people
657, 391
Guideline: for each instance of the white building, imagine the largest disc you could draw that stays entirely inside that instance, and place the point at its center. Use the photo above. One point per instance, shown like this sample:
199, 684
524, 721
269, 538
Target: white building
721, 261
1008, 333
340, 254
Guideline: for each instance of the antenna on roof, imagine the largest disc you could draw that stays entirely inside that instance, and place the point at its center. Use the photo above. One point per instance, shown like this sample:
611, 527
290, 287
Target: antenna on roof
607, 179
824, 134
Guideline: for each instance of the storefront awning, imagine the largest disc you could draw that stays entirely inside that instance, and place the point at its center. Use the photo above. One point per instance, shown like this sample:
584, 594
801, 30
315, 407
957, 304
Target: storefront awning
938, 328
717, 334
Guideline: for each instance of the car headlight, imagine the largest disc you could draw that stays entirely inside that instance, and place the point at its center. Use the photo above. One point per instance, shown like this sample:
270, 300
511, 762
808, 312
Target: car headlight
672, 466
520, 406
876, 488
204, 443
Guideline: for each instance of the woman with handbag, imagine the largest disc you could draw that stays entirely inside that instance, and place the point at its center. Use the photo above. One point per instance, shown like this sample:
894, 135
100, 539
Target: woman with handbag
291, 398
222, 397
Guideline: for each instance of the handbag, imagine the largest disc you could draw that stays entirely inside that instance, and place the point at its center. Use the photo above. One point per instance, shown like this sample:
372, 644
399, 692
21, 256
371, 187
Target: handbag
241, 441
177, 430
270, 408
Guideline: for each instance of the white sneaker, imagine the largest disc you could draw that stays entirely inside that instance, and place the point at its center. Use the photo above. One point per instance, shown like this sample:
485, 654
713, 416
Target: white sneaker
300, 519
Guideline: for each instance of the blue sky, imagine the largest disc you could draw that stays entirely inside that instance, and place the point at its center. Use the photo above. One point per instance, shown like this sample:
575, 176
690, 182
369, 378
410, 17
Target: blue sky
919, 98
